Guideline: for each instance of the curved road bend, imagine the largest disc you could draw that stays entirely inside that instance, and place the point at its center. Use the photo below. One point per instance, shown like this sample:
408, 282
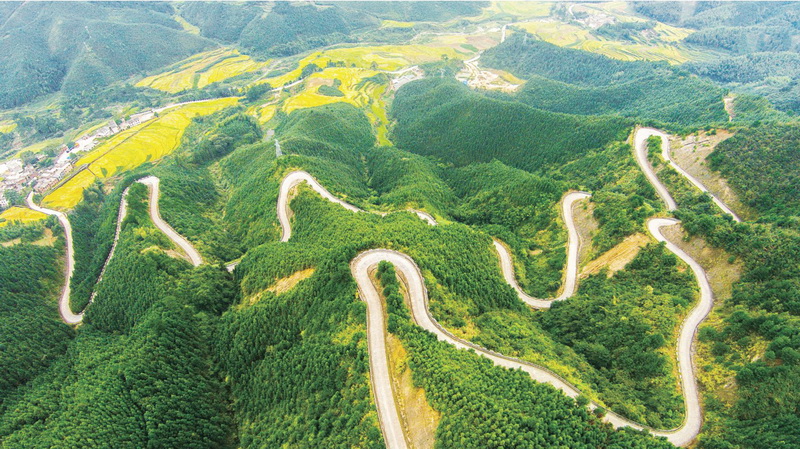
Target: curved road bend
155, 215
297, 177
418, 298
379, 371
640, 151
571, 269
640, 140
63, 301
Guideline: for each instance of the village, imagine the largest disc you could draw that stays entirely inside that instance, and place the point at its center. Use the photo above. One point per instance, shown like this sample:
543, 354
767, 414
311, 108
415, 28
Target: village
44, 170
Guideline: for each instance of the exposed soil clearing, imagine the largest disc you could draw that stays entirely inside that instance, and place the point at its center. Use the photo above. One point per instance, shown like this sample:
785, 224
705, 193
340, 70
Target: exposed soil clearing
617, 257
691, 153
722, 274
46, 240
419, 419
287, 283
587, 227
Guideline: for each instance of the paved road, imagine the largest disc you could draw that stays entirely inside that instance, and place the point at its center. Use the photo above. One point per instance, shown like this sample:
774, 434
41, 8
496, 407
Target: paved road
665, 153
155, 215
63, 301
693, 419
418, 296
380, 377
63, 304
571, 270
640, 151
298, 177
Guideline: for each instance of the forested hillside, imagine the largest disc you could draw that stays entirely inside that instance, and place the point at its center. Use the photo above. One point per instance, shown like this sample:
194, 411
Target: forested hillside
444, 119
577, 82
455, 131
762, 164
32, 336
79, 46
140, 368
756, 44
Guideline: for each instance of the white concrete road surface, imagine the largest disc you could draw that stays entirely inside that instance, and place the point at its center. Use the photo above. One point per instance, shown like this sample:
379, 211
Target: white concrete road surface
665, 153
570, 270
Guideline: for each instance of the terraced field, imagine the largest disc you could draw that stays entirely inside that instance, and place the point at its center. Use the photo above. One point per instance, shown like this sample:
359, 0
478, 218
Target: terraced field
202, 70
7, 126
129, 149
664, 48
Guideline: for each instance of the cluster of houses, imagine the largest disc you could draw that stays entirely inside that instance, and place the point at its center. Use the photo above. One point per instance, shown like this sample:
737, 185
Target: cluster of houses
15, 175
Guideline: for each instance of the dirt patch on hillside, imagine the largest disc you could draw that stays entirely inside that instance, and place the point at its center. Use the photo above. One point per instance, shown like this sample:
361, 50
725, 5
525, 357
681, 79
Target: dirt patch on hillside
716, 380
721, 273
587, 228
287, 283
617, 257
419, 419
47, 240
690, 154
281, 285
315, 83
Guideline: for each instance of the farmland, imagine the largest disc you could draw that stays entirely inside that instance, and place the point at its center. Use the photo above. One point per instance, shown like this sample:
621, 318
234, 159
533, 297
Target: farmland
129, 149
573, 36
6, 126
20, 215
202, 70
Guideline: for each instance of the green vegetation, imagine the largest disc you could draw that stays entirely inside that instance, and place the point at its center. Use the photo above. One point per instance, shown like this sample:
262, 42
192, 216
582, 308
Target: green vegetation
483, 406
32, 335
649, 296
80, 47
577, 82
761, 319
94, 223
445, 120
140, 370
761, 164
756, 44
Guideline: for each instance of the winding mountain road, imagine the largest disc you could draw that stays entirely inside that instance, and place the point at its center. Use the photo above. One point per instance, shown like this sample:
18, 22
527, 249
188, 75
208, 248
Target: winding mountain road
63, 301
417, 294
163, 226
571, 269
152, 182
298, 177
640, 142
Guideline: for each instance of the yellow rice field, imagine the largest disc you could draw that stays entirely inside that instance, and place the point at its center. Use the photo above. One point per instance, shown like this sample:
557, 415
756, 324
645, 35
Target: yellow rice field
396, 24
71, 192
131, 148
383, 57
7, 126
20, 215
266, 113
203, 69
357, 91
572, 36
